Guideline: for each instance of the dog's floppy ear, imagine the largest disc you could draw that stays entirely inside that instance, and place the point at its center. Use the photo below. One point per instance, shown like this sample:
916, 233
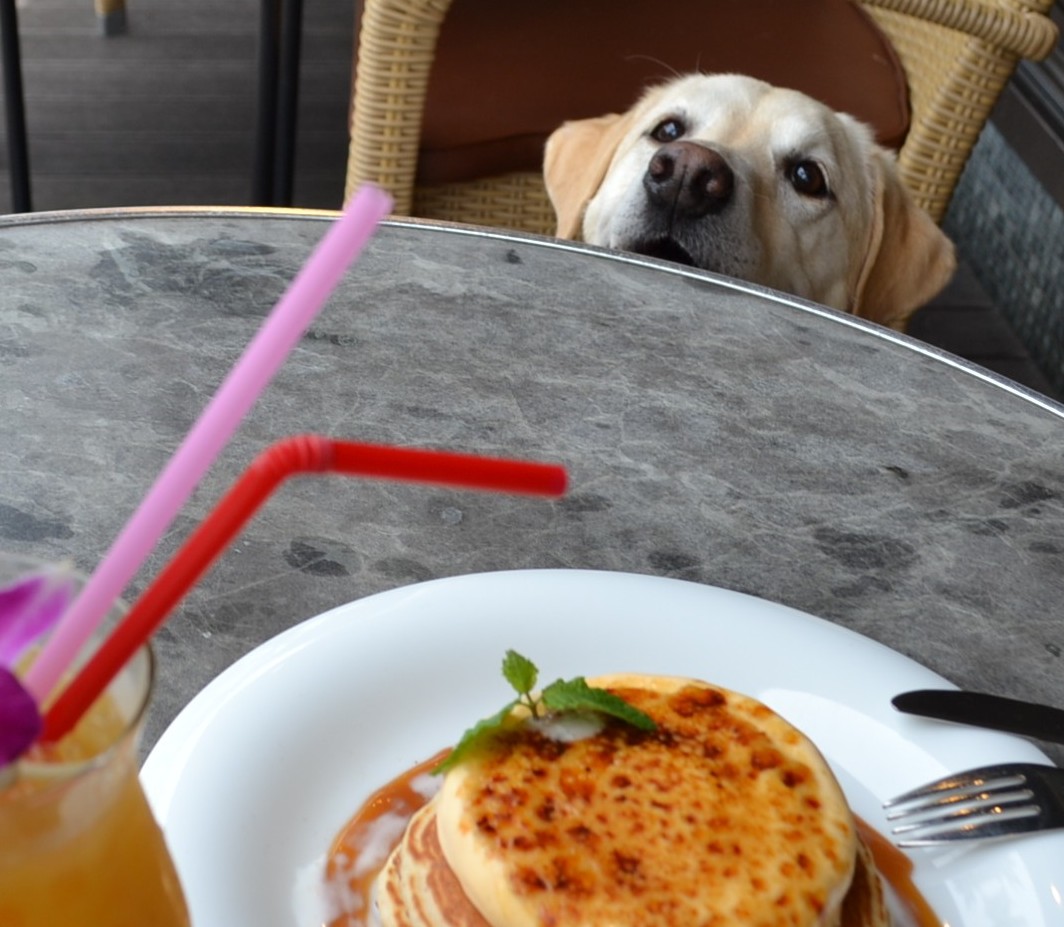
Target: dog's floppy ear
577, 156
909, 259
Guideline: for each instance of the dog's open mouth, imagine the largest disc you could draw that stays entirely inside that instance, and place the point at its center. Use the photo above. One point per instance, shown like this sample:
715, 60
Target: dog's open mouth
668, 249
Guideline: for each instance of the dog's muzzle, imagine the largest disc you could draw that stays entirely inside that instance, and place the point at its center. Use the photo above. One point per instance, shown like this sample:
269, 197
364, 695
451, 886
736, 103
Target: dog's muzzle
689, 180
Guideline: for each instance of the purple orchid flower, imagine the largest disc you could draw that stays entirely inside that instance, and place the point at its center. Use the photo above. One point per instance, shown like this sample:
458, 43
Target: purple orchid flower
20, 721
29, 607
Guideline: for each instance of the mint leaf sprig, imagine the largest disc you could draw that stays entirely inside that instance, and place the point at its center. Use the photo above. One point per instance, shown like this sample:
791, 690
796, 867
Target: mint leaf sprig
573, 696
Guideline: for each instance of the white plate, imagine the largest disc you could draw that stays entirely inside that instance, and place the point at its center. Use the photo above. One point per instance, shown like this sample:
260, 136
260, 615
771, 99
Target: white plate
255, 777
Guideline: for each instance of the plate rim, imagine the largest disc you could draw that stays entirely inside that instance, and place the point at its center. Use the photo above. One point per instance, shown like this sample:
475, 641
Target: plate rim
178, 740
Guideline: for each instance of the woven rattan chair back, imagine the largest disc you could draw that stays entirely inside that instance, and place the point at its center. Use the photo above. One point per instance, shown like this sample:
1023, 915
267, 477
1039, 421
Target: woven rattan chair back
957, 56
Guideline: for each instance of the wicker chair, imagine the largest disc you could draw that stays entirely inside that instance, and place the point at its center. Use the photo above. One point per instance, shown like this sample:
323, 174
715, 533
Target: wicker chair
957, 56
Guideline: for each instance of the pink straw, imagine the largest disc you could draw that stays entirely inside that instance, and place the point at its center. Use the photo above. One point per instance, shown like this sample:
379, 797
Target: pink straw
306, 295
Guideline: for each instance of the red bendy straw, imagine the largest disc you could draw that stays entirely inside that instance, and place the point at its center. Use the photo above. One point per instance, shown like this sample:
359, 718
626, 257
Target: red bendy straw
292, 456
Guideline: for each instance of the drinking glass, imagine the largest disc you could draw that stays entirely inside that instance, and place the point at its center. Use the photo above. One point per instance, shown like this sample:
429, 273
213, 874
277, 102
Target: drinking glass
78, 842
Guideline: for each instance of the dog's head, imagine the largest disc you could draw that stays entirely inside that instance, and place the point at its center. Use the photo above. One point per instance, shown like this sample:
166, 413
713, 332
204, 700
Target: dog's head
733, 175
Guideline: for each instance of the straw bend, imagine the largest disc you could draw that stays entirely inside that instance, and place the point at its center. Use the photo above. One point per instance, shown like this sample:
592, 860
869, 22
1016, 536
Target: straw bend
293, 456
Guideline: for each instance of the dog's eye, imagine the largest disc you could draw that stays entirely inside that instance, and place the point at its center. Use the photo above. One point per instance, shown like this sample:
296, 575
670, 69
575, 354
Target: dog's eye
808, 178
668, 130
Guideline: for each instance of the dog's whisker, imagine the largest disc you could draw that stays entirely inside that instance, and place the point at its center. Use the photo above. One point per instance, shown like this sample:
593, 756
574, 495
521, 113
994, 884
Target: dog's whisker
668, 67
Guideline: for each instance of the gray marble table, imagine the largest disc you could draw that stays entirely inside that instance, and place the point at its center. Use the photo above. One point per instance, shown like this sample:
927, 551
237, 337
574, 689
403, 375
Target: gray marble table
713, 431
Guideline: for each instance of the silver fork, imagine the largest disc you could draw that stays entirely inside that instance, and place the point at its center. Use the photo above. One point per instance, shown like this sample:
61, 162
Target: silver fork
992, 801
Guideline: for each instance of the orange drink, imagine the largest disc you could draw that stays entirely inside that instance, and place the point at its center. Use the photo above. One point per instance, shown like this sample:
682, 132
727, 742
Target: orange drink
78, 843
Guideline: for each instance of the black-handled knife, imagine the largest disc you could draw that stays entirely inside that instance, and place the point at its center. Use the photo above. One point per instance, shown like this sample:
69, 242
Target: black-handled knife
995, 712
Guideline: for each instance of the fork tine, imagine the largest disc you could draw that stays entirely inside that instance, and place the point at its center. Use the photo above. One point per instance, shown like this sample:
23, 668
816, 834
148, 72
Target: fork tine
992, 808
962, 804
986, 826
995, 801
959, 800
991, 777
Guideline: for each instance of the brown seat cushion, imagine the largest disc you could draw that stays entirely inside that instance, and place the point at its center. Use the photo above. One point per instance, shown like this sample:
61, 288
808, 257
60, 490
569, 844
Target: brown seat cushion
508, 72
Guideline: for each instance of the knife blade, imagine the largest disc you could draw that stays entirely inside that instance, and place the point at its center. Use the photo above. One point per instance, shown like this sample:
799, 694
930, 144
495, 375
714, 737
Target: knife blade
980, 709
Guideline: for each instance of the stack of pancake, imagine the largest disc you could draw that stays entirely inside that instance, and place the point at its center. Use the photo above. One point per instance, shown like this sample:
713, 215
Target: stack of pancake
724, 815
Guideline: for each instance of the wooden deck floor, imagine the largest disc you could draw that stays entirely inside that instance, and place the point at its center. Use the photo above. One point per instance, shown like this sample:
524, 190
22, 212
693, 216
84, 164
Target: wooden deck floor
165, 114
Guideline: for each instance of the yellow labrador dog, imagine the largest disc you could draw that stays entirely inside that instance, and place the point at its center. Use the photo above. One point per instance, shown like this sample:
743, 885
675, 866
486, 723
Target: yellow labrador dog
736, 176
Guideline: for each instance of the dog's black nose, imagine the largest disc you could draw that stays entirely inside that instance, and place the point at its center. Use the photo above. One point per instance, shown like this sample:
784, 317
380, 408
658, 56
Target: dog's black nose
690, 178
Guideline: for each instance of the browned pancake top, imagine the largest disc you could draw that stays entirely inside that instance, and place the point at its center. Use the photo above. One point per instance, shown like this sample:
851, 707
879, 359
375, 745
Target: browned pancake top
725, 814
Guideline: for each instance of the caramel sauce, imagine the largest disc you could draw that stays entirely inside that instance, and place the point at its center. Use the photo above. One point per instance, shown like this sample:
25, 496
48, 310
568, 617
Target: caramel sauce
897, 870
400, 800
396, 801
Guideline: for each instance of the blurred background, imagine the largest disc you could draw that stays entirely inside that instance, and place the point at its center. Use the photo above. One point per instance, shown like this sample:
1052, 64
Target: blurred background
166, 112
